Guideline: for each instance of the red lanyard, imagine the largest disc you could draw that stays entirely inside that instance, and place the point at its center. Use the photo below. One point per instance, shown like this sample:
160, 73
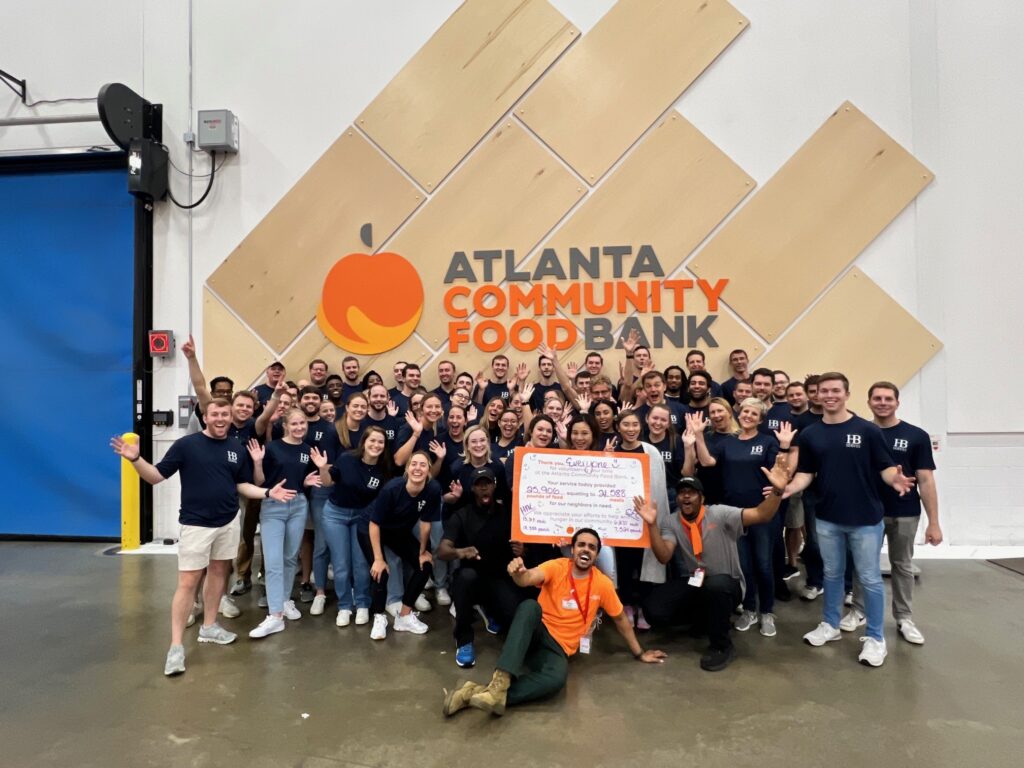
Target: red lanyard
583, 607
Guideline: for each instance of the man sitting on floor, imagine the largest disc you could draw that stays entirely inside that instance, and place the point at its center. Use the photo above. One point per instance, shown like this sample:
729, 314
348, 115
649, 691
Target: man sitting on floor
534, 662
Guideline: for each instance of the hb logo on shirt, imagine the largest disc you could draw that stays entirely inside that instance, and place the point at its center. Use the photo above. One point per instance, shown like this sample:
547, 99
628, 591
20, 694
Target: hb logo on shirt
373, 482
756, 450
318, 436
420, 505
853, 441
900, 445
304, 458
232, 457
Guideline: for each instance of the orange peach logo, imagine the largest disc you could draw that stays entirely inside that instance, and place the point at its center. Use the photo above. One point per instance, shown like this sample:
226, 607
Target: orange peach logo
370, 303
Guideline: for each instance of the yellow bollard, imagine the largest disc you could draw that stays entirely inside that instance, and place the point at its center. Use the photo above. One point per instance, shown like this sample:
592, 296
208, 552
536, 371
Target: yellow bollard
130, 495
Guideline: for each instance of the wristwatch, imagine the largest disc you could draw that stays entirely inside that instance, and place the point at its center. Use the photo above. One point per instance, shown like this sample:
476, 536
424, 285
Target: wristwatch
266, 494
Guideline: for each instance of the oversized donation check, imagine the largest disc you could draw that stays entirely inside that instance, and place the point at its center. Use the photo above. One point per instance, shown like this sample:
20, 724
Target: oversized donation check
556, 492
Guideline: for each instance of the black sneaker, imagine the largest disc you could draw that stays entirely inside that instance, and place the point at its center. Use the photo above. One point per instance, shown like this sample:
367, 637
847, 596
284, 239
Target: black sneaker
306, 592
240, 587
782, 593
717, 659
789, 572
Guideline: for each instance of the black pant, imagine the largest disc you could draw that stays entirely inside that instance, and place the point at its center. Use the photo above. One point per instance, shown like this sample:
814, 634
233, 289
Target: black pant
498, 594
629, 562
407, 547
708, 607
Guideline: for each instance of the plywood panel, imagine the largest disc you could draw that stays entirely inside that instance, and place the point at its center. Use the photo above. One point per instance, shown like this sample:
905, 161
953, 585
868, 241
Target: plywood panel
606, 91
228, 347
274, 277
859, 330
806, 225
670, 193
508, 195
474, 68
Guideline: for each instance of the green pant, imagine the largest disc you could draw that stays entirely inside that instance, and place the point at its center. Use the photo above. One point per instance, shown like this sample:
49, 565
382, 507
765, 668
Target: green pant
533, 658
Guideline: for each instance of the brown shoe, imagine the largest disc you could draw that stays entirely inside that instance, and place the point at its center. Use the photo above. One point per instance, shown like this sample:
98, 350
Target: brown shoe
458, 698
492, 698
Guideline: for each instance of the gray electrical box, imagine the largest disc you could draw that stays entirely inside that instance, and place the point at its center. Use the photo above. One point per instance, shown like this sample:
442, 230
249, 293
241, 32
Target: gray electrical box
218, 130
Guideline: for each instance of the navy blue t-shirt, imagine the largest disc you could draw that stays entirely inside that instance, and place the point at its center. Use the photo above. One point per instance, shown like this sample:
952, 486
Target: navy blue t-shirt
846, 459
711, 477
244, 433
422, 442
672, 454
287, 462
741, 462
778, 413
728, 387
210, 471
802, 421
356, 483
494, 389
322, 435
390, 425
263, 393
463, 472
912, 449
348, 390
537, 398
396, 509
502, 453
446, 397
676, 409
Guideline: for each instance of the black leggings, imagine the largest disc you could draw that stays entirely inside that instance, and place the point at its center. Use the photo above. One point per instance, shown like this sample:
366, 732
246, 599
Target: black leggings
407, 547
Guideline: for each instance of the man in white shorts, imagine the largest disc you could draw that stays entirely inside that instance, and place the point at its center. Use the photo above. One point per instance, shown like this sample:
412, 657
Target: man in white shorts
215, 469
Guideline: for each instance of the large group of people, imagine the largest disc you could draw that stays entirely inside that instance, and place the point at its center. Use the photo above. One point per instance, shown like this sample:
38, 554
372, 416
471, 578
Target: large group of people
399, 495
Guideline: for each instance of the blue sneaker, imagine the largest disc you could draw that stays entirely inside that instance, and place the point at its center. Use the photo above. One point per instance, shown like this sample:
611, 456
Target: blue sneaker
493, 627
465, 655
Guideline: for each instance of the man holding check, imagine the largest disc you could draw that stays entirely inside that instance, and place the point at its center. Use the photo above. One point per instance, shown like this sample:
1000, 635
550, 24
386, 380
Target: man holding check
534, 662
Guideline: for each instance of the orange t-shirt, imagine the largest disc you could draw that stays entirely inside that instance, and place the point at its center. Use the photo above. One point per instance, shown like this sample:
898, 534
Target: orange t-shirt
561, 614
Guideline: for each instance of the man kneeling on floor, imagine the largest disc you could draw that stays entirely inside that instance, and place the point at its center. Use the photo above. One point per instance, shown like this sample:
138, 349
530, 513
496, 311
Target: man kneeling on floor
534, 662
706, 537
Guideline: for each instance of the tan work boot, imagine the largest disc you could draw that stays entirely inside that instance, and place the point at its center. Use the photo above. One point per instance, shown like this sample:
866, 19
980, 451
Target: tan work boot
492, 698
458, 698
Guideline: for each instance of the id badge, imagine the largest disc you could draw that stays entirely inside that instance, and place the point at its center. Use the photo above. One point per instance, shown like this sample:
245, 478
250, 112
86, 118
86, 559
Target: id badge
585, 644
570, 605
697, 579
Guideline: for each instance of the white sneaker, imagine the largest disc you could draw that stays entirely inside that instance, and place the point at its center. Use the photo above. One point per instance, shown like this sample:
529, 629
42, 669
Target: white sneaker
380, 627
746, 621
811, 593
362, 616
821, 634
768, 624
317, 608
422, 604
410, 623
228, 609
393, 608
848, 599
290, 611
268, 626
344, 618
851, 620
873, 653
443, 598
197, 610
451, 610
910, 632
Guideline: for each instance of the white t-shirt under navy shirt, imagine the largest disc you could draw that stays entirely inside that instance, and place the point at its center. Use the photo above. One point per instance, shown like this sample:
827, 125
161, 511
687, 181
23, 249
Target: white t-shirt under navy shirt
210, 471
846, 459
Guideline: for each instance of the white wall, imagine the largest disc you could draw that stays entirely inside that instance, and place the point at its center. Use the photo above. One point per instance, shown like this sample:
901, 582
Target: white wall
940, 78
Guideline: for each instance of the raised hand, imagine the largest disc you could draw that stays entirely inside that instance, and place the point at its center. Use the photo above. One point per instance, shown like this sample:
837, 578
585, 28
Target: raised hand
455, 489
392, 408
583, 403
689, 438
312, 480
440, 450
280, 493
256, 451
526, 391
319, 459
125, 450
572, 369
630, 342
611, 444
481, 379
562, 432
188, 349
545, 351
785, 434
696, 423
414, 423
522, 371
648, 511
779, 474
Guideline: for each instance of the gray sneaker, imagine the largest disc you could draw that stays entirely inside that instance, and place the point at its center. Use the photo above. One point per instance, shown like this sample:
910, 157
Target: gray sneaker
175, 664
746, 621
262, 602
215, 633
306, 593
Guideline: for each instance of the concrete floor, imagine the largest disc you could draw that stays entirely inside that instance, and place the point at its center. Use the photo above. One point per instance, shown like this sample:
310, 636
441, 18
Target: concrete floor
84, 637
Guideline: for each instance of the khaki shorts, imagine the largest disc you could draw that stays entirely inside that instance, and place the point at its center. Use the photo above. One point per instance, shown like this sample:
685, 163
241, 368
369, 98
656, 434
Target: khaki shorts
198, 545
795, 511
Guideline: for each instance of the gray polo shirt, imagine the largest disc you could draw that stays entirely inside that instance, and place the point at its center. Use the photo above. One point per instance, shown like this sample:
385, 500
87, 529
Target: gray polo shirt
721, 528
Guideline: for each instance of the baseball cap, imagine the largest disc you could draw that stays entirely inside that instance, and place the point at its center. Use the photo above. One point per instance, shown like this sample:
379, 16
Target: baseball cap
483, 473
690, 482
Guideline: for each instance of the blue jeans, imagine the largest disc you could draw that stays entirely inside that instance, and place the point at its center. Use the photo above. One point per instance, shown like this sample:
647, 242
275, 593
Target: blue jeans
350, 567
317, 498
756, 550
281, 527
865, 544
812, 553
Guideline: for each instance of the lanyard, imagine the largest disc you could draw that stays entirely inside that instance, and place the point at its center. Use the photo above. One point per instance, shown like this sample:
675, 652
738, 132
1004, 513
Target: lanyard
583, 607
